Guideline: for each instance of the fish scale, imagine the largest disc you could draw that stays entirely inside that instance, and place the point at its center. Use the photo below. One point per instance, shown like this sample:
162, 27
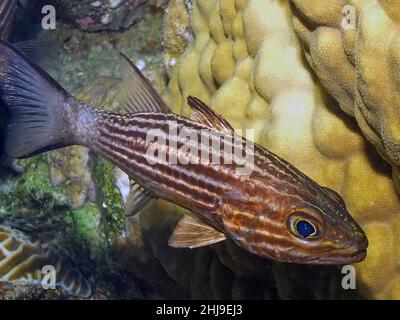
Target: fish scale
191, 182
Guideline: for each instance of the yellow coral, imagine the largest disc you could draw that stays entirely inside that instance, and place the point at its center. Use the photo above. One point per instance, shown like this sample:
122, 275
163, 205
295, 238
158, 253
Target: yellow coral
246, 60
357, 57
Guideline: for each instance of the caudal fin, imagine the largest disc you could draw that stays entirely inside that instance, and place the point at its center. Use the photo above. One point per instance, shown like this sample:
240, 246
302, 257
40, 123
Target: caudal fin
37, 106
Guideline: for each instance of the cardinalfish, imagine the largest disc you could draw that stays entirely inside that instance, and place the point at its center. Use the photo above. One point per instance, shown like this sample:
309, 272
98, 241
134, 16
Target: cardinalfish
272, 209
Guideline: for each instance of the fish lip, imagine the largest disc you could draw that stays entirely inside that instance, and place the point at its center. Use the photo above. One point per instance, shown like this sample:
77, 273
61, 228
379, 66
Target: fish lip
364, 245
342, 260
349, 255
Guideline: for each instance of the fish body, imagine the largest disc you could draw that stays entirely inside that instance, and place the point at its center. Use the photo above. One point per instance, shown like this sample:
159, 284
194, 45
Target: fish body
233, 187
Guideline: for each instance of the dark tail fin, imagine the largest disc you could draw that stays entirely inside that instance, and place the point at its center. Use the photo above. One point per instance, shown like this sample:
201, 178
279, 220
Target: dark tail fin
37, 106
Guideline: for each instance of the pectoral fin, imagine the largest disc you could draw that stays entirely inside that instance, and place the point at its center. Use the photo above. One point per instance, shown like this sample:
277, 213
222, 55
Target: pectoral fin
138, 200
192, 233
202, 113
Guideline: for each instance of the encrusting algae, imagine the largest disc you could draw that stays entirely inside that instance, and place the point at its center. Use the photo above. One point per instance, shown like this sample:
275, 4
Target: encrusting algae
246, 60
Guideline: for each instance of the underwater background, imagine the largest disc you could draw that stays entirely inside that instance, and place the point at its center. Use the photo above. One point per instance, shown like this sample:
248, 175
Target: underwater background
321, 95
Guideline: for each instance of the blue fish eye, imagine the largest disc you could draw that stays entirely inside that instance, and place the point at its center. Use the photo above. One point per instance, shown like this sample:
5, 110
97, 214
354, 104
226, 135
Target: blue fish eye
305, 228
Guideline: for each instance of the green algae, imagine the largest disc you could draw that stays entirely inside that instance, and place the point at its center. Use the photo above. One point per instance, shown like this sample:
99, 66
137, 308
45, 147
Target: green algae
83, 236
109, 200
31, 200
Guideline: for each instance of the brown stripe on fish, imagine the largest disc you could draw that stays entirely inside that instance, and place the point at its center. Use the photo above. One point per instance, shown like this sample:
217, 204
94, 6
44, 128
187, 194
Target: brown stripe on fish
133, 155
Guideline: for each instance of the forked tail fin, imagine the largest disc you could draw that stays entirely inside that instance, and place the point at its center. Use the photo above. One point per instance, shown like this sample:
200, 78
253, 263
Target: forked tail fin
38, 106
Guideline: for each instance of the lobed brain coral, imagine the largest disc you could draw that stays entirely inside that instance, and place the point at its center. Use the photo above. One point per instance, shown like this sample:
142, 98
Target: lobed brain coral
21, 259
246, 60
353, 47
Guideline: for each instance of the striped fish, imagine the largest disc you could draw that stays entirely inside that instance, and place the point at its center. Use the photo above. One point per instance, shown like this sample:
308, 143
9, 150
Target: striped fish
234, 188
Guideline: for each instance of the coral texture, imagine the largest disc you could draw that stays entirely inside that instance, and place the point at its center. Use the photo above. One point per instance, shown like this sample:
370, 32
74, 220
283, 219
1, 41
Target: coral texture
353, 47
22, 259
246, 61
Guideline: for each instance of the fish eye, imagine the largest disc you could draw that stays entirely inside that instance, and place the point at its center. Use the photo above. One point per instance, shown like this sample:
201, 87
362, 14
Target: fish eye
304, 226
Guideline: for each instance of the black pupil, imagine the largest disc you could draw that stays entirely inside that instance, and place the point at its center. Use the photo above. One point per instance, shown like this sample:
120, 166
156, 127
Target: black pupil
304, 228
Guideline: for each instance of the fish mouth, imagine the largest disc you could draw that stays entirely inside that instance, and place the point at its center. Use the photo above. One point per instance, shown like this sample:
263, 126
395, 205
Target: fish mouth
339, 259
349, 255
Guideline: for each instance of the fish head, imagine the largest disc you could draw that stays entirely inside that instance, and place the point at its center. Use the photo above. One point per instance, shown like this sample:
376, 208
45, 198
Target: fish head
310, 228
322, 234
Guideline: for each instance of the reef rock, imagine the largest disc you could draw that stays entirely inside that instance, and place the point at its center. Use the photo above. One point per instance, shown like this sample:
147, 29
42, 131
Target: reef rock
100, 15
246, 60
176, 33
21, 290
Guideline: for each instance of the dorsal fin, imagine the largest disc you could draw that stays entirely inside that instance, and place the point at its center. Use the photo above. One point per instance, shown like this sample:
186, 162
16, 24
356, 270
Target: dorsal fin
192, 233
202, 113
137, 94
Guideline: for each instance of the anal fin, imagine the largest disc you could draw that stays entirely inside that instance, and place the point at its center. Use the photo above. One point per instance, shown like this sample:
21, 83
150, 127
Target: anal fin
192, 233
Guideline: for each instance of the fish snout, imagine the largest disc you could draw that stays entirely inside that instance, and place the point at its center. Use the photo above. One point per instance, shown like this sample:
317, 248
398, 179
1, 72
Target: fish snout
359, 240
360, 247
355, 251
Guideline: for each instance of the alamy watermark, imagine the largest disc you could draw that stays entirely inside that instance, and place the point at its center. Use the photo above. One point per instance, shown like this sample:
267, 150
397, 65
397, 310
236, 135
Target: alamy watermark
49, 277
49, 20
349, 278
